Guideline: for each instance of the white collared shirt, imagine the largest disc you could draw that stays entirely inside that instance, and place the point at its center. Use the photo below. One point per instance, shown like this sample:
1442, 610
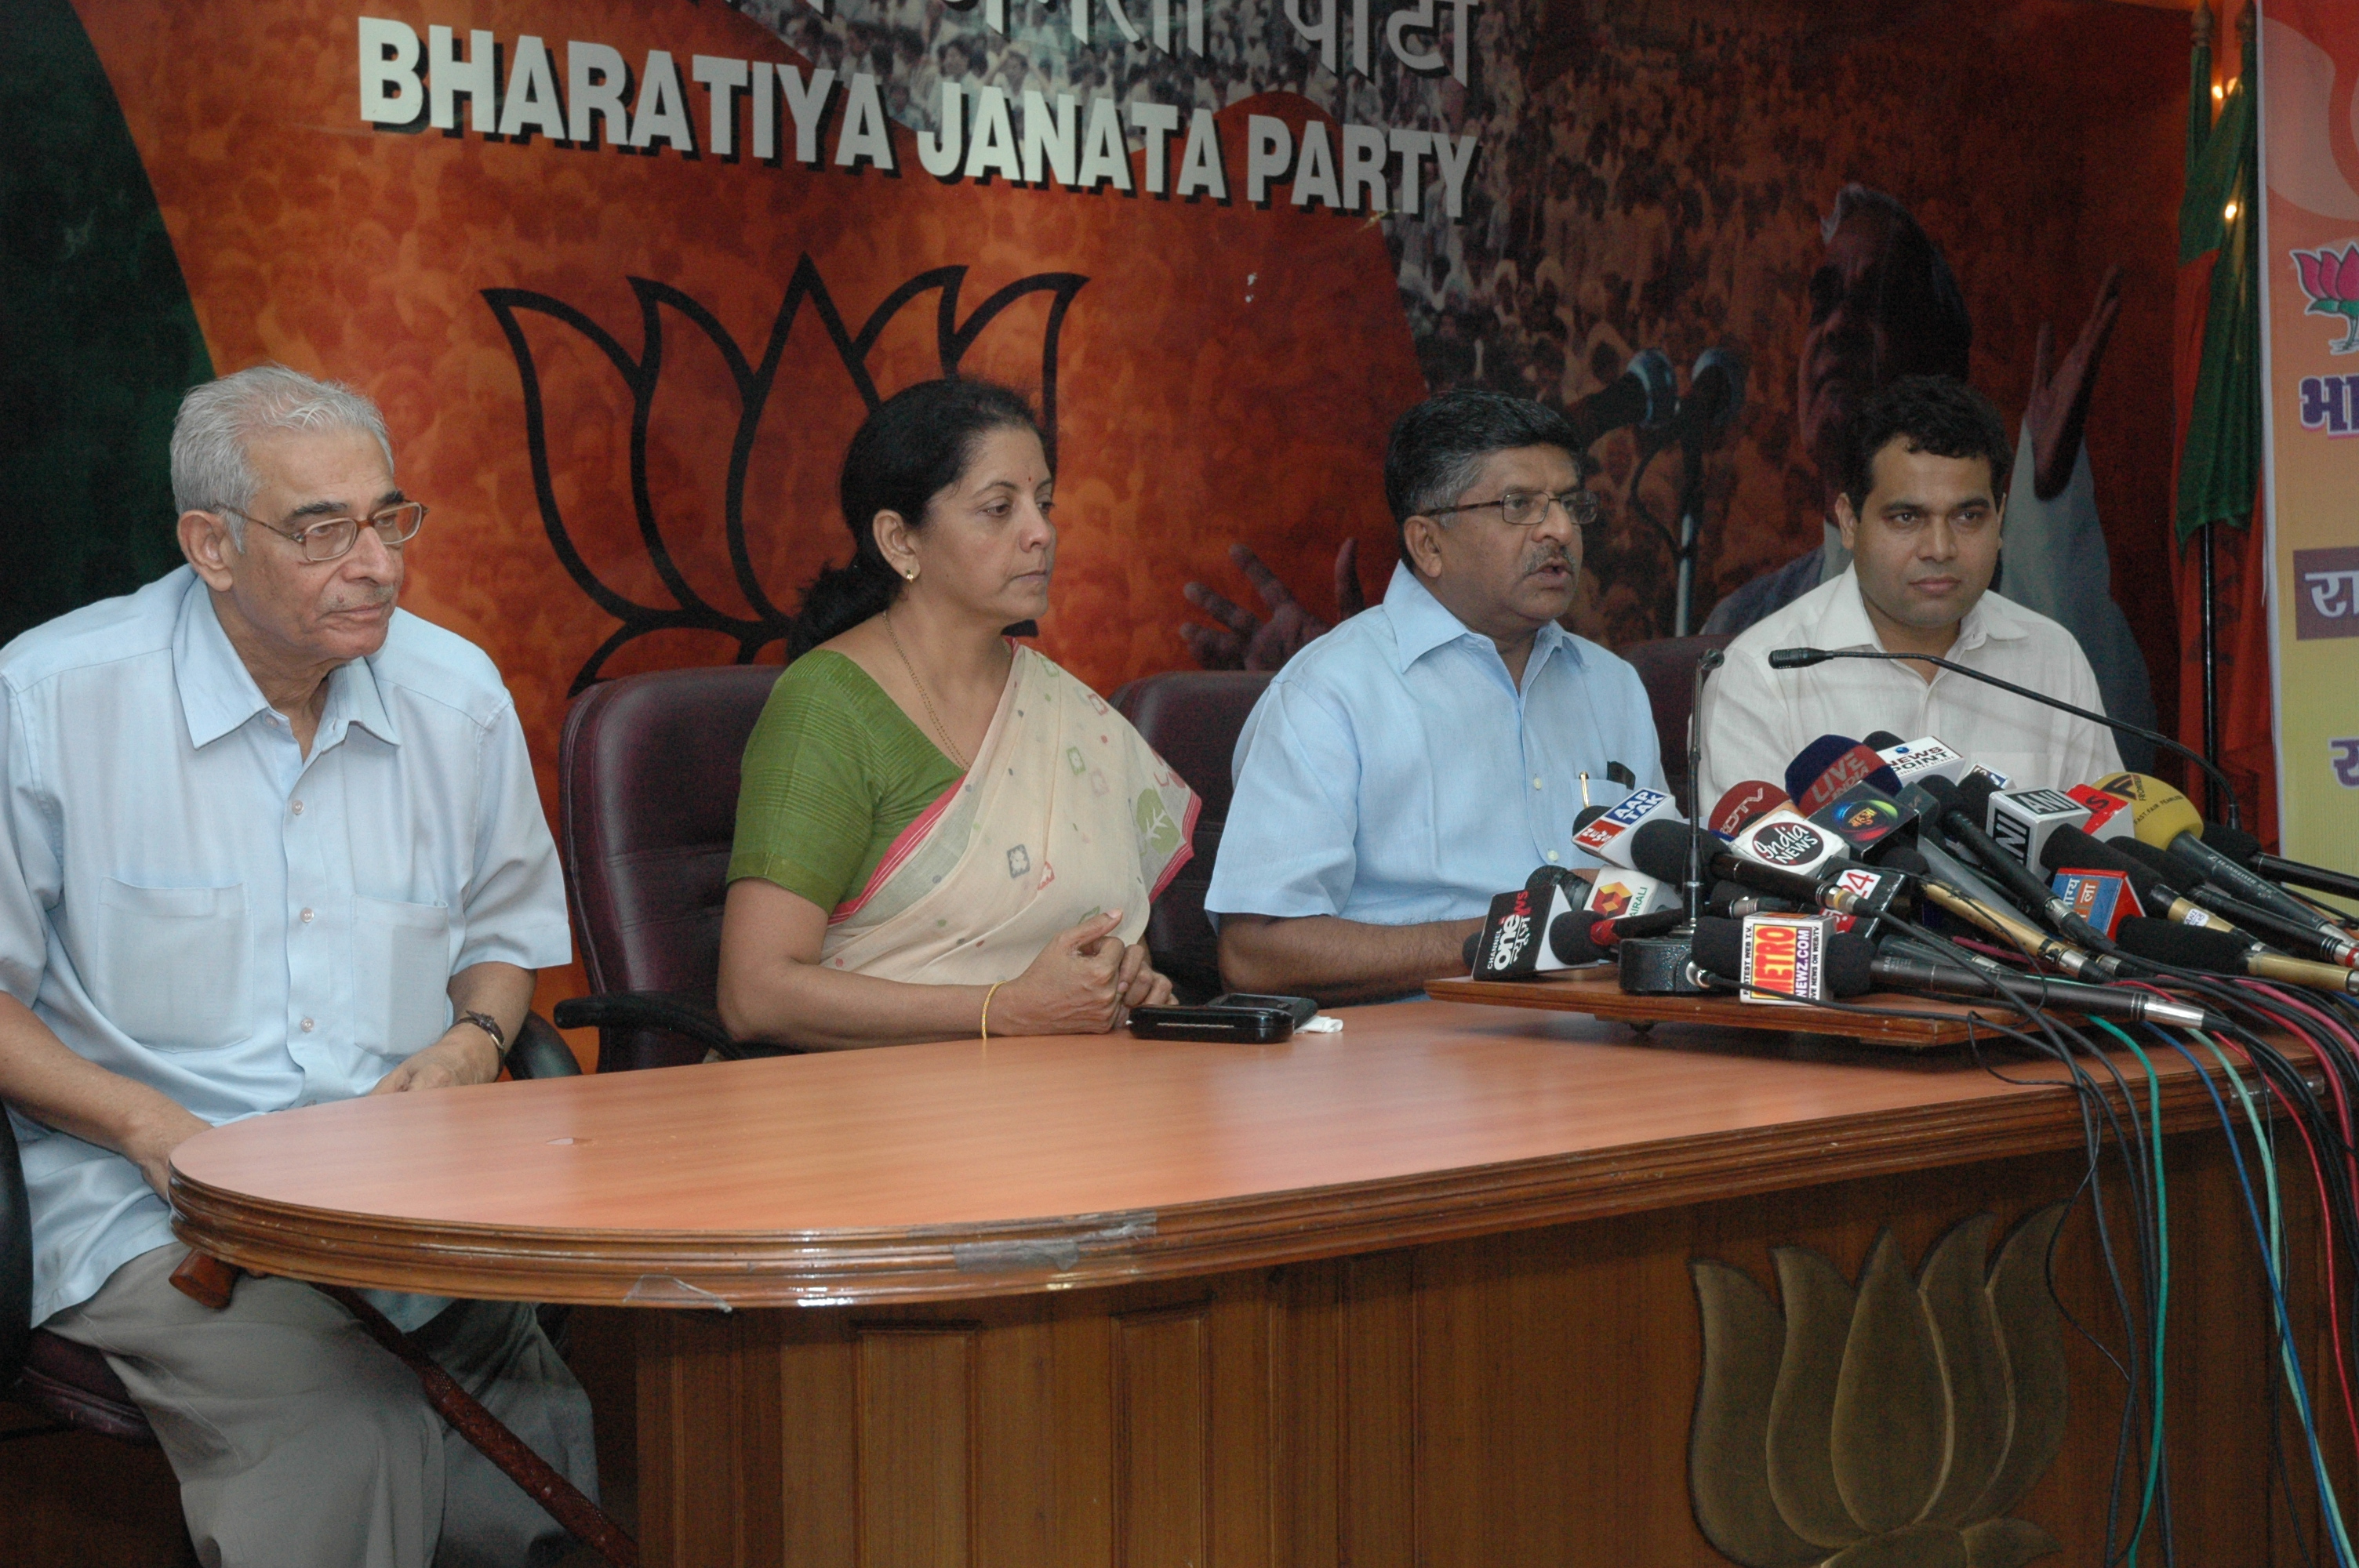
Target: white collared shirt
1395, 772
187, 899
1756, 718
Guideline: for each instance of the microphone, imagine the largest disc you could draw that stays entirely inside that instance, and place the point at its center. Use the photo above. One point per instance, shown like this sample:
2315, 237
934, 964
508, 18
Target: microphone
2318, 879
1573, 940
1913, 760
2168, 820
1802, 658
1832, 764
2110, 814
1716, 396
1871, 824
1853, 967
2302, 940
1512, 946
2021, 821
1956, 820
2070, 849
1608, 836
1849, 889
1616, 893
1744, 803
1645, 393
2220, 953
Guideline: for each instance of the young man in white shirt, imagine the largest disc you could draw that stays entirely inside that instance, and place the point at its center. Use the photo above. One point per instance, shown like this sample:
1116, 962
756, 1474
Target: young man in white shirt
1922, 511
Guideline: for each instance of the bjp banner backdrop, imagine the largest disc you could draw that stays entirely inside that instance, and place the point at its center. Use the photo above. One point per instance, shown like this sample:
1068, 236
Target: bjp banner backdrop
625, 275
2309, 301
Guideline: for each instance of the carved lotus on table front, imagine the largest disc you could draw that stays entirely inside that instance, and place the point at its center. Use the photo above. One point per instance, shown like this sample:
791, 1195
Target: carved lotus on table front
1889, 1425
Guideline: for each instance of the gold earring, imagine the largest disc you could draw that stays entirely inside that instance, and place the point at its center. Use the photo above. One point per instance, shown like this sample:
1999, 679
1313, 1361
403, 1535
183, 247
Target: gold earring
912, 574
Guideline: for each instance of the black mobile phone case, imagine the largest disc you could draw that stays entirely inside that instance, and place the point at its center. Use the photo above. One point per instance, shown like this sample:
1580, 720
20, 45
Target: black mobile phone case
1239, 1025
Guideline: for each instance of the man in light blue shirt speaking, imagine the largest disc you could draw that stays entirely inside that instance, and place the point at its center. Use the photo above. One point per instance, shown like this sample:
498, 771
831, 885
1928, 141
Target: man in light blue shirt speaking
1423, 756
269, 842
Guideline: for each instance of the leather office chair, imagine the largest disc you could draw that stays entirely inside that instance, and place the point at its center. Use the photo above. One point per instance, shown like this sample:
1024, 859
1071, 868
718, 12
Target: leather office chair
1191, 717
1667, 665
73, 1382
647, 809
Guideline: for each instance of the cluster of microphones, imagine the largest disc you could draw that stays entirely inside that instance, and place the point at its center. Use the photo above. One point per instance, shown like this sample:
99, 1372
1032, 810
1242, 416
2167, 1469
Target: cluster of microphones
1885, 865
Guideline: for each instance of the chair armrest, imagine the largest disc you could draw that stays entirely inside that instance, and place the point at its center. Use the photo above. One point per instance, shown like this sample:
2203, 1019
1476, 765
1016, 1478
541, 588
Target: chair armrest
681, 1015
15, 1258
540, 1052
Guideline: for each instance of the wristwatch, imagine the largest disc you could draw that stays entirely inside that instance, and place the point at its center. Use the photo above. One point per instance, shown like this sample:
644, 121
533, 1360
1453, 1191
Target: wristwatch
491, 1026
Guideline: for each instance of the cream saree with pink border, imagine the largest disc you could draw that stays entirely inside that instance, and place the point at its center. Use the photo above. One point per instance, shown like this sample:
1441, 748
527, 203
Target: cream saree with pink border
1067, 813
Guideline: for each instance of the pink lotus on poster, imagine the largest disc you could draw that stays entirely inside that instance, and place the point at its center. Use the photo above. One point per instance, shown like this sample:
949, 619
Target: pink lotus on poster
2332, 284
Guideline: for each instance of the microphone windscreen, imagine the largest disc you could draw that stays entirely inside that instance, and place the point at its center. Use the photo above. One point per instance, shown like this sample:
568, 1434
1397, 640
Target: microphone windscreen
1944, 792
1905, 861
1974, 796
2069, 848
2154, 860
1742, 804
1719, 946
1568, 937
1587, 815
1881, 740
1813, 761
2233, 843
2186, 946
2158, 812
1662, 923
1472, 945
1857, 765
1661, 849
1850, 965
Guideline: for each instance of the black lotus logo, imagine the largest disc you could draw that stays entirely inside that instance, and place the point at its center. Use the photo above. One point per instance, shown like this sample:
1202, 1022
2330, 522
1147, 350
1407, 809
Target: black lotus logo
756, 379
1894, 1423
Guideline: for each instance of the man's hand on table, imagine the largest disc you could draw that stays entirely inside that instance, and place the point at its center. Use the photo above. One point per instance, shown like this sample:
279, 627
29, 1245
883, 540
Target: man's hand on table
159, 1128
464, 1055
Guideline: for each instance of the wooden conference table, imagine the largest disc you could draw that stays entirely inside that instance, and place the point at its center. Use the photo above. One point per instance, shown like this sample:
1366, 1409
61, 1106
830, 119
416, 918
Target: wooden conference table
1417, 1292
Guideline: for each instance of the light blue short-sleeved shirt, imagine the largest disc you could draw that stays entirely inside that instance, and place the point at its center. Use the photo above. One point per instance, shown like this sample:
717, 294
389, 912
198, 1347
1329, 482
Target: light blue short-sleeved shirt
1393, 773
186, 900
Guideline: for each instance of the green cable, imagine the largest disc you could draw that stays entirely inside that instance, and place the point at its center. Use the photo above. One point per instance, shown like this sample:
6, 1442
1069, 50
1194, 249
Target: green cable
2287, 1356
2162, 1295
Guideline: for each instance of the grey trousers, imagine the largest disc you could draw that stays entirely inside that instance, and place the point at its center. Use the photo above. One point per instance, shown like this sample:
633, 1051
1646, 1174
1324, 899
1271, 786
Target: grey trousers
299, 1441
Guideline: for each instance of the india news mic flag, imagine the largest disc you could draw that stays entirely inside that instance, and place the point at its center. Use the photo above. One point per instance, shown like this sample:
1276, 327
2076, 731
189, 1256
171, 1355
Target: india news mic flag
1608, 836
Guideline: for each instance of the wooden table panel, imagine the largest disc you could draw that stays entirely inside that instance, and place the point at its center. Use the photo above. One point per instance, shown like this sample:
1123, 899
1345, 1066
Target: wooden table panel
1418, 1292
964, 1170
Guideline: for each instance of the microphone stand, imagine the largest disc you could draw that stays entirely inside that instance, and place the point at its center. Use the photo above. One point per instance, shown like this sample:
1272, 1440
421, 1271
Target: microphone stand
1660, 965
1801, 658
1711, 660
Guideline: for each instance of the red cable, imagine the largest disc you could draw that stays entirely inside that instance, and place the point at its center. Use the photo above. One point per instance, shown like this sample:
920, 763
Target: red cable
2333, 1080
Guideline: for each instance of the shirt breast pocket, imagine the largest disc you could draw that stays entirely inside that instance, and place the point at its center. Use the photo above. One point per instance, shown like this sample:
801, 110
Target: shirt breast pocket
401, 974
176, 973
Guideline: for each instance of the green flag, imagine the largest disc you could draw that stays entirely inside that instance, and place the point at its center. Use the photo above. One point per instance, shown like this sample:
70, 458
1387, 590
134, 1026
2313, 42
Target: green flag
2222, 458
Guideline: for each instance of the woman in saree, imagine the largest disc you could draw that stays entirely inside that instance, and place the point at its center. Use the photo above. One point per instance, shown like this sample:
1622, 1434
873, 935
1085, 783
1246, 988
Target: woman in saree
941, 833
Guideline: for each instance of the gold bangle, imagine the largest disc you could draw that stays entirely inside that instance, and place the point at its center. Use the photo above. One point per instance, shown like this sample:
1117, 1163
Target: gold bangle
986, 1007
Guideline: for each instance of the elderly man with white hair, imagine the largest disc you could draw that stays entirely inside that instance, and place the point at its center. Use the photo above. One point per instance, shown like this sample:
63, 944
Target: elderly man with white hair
269, 841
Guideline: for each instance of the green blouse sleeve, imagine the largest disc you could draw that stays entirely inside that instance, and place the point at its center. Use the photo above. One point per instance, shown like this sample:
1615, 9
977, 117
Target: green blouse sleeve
833, 773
